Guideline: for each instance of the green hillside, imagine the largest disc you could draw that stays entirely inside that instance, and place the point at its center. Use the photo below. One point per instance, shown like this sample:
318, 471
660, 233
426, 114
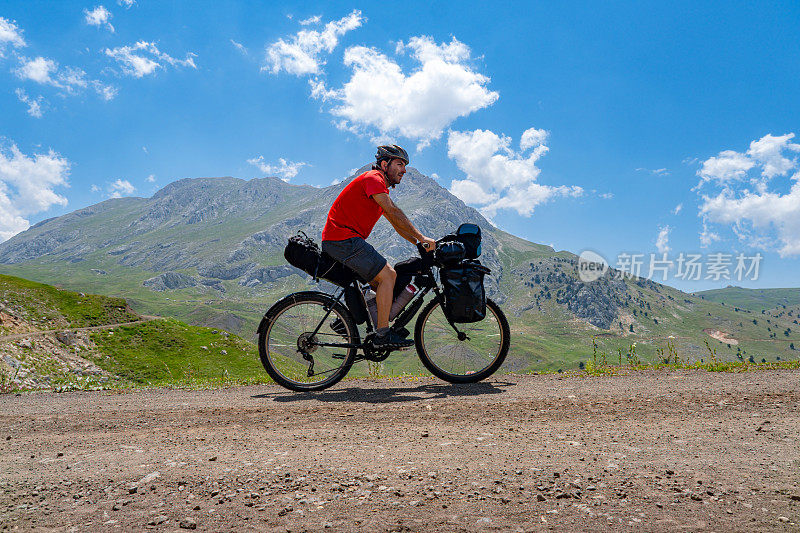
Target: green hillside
753, 299
47, 307
120, 349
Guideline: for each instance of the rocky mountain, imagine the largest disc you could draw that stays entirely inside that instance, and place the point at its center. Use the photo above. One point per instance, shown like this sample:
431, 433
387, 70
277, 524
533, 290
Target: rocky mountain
210, 251
227, 229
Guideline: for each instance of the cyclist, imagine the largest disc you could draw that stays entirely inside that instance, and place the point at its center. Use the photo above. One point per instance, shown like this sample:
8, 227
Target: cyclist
350, 221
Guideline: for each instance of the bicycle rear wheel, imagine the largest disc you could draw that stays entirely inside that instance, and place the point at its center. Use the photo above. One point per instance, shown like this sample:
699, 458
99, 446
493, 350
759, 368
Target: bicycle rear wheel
288, 345
468, 361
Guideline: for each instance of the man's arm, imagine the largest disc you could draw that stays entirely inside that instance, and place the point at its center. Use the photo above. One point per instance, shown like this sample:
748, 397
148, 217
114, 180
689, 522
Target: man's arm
398, 219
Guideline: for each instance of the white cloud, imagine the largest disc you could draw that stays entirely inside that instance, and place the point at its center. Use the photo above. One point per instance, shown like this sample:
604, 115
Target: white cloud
99, 16
27, 186
69, 79
708, 237
284, 169
151, 178
95, 188
106, 92
10, 34
120, 188
311, 20
662, 241
127, 4
532, 137
34, 105
499, 177
143, 58
656, 172
434, 176
763, 218
677, 209
239, 46
607, 195
335, 182
382, 99
38, 70
768, 152
725, 167
300, 55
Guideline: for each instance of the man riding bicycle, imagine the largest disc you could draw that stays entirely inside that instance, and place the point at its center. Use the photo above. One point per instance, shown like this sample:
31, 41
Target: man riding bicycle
351, 219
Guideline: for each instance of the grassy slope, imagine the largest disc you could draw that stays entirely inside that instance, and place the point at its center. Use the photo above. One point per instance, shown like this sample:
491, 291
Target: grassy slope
47, 307
158, 352
752, 299
168, 351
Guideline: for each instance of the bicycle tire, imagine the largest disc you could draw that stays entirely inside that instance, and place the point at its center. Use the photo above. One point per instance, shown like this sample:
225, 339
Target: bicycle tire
467, 377
275, 313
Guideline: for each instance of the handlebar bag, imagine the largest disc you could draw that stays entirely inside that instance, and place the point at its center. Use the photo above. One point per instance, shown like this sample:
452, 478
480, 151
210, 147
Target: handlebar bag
450, 252
464, 294
470, 236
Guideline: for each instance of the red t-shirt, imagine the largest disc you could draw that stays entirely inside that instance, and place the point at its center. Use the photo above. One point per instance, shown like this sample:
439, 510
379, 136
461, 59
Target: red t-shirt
354, 213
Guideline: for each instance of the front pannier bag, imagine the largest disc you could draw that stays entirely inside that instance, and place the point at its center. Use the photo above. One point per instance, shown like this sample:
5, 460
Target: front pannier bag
464, 295
303, 253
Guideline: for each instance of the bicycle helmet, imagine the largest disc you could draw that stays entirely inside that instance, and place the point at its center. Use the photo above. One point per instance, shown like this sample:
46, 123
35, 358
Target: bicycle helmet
389, 152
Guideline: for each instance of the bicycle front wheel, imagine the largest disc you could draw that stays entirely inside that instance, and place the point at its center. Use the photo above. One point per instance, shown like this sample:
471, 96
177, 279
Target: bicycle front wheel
290, 350
468, 361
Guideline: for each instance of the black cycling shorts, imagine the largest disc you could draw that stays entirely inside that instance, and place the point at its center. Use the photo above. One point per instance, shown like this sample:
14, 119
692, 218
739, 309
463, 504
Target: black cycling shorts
356, 254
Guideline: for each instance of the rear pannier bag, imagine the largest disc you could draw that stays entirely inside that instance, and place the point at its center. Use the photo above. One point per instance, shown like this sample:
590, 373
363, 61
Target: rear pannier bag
303, 253
464, 294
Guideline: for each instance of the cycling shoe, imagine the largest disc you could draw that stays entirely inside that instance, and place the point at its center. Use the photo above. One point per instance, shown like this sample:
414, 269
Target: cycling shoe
391, 341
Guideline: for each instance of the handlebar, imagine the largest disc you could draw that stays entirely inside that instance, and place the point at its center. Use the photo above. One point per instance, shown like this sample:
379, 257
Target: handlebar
423, 249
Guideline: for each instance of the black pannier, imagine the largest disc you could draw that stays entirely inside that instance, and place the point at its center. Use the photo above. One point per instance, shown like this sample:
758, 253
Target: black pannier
464, 294
470, 236
303, 253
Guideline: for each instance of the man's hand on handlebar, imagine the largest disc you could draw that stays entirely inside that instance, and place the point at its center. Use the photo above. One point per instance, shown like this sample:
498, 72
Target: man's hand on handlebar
428, 244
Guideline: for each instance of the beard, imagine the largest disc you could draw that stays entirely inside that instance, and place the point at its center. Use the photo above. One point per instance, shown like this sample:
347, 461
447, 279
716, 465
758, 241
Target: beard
393, 177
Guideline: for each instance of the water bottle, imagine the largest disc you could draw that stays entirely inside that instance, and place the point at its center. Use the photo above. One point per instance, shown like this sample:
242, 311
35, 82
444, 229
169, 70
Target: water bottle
372, 305
402, 300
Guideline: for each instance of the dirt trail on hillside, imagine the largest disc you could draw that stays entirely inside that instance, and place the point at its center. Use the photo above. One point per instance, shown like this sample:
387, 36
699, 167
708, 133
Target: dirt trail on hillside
33, 333
652, 451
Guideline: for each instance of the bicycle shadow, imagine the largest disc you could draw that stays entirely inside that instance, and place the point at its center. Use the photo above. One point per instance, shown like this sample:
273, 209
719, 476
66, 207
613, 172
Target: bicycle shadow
393, 395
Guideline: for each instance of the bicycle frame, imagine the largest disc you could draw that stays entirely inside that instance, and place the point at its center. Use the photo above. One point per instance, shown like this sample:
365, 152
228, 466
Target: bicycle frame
401, 320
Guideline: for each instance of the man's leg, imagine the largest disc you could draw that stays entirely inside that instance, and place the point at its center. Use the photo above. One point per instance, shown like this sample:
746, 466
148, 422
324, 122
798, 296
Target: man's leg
383, 284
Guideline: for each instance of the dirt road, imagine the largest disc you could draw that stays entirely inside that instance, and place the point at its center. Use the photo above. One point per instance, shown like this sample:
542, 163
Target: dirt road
653, 451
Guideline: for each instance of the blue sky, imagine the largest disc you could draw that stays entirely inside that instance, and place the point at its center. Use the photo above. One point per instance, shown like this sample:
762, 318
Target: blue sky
574, 124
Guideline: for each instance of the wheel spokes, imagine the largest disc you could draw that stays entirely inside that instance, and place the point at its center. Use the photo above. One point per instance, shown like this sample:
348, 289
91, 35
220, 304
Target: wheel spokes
290, 335
461, 358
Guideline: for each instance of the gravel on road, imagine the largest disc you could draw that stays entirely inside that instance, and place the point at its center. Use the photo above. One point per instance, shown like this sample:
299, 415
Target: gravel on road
655, 450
